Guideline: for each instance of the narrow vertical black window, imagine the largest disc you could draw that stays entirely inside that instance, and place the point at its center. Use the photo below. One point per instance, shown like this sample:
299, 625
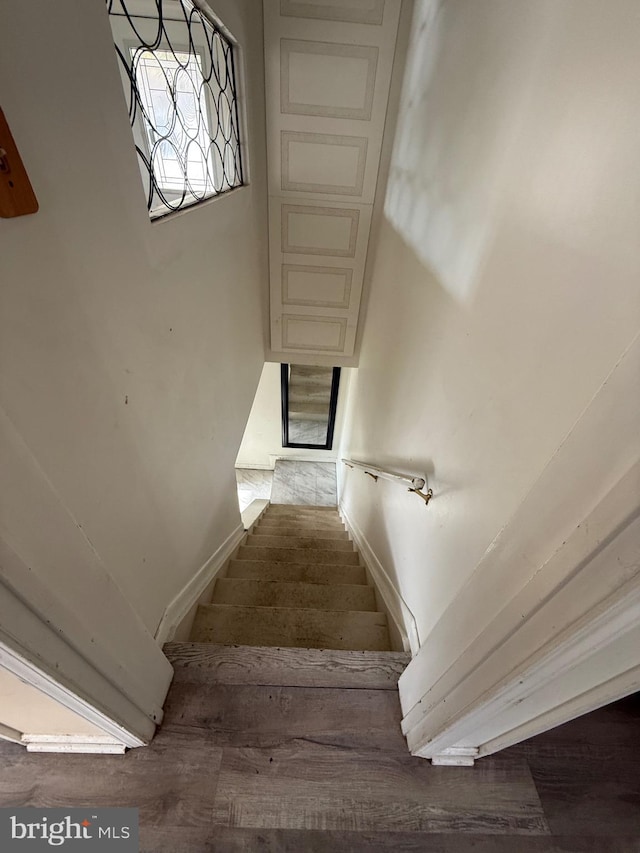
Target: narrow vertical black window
309, 404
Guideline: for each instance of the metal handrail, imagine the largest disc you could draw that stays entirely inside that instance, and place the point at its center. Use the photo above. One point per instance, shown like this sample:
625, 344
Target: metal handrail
415, 482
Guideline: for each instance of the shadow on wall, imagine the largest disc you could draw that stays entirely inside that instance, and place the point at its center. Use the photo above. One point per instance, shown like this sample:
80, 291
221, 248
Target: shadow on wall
447, 176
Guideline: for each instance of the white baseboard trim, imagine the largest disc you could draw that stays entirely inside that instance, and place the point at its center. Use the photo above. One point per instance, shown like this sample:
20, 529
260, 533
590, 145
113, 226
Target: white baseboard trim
254, 466
253, 513
456, 756
399, 611
178, 608
9, 733
616, 688
45, 683
88, 744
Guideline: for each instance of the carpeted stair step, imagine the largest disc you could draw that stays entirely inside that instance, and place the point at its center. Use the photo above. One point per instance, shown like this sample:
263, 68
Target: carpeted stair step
261, 593
307, 533
303, 510
306, 543
271, 570
268, 522
283, 626
297, 555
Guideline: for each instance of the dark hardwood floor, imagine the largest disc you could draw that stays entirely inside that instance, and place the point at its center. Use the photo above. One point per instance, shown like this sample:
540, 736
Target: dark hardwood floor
239, 767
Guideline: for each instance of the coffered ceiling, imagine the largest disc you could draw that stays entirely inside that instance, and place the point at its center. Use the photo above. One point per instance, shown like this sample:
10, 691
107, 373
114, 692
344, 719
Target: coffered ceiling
328, 69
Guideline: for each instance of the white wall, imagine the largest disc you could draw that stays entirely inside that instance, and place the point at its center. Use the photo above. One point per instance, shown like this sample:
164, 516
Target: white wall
504, 291
262, 440
28, 710
130, 350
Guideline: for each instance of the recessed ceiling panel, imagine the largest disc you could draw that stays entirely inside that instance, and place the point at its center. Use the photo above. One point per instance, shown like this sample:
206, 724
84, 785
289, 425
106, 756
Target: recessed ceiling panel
323, 163
321, 334
322, 287
325, 79
319, 230
352, 11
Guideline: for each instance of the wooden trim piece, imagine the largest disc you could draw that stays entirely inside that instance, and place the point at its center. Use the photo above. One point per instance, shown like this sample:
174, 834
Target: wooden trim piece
209, 663
610, 691
89, 744
17, 197
9, 733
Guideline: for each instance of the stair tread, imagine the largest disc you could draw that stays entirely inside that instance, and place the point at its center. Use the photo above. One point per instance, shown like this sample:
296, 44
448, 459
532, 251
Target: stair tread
211, 663
302, 510
296, 594
293, 555
296, 532
283, 626
302, 571
301, 542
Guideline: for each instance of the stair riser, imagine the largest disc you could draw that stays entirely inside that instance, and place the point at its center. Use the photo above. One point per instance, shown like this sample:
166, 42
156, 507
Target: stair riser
258, 593
279, 522
296, 572
313, 629
297, 555
327, 513
207, 663
266, 540
308, 533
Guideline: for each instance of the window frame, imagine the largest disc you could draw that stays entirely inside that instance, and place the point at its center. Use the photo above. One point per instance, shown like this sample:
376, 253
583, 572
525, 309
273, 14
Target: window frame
333, 408
159, 208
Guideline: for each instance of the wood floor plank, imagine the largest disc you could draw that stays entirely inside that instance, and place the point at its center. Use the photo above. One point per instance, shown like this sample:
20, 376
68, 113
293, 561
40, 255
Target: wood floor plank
172, 781
250, 715
239, 840
209, 663
588, 783
308, 786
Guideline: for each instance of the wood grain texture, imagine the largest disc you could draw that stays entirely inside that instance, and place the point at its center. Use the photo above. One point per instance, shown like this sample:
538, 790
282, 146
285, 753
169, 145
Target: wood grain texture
579, 774
208, 663
172, 781
256, 716
239, 840
312, 786
349, 797
17, 197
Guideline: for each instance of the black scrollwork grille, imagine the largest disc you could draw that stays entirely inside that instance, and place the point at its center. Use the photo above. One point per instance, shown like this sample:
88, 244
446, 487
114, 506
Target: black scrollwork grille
178, 73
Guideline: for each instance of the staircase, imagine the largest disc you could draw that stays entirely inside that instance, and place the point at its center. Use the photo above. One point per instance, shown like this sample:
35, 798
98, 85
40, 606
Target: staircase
297, 582
289, 679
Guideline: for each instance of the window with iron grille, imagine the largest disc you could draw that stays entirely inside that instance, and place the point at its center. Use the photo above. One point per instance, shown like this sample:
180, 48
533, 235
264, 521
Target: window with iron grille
178, 71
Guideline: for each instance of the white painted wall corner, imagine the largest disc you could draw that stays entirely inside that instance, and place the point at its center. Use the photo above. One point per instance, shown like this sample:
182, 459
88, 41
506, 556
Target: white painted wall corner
398, 610
188, 596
